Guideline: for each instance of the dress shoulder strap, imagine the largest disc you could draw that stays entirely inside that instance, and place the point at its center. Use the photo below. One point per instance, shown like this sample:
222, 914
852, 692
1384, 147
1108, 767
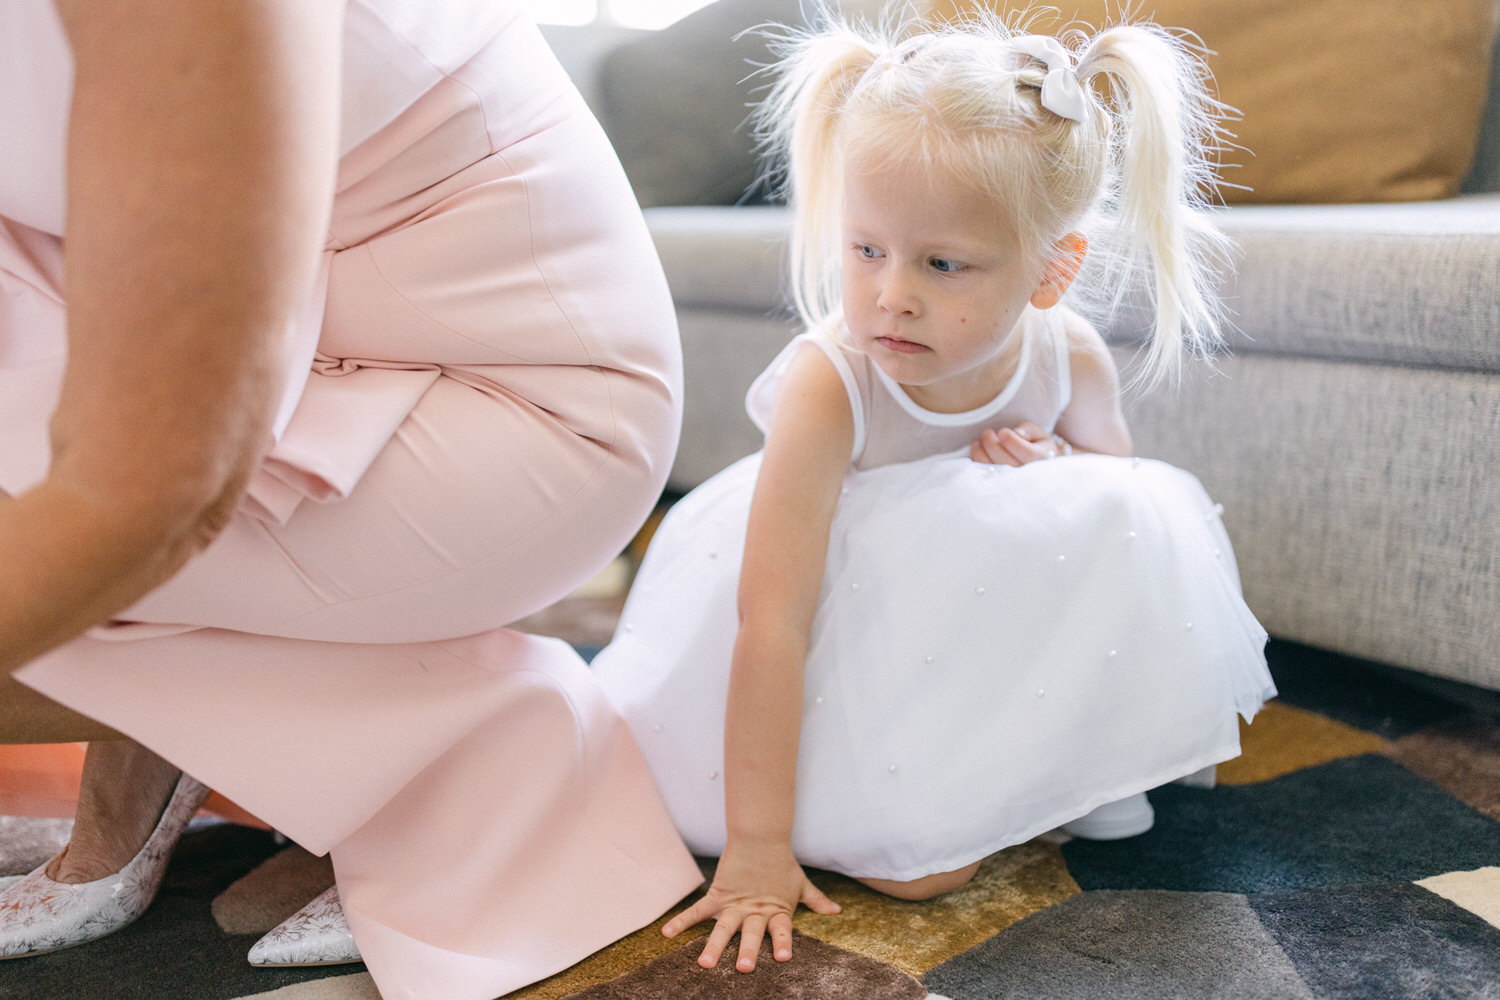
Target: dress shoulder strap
760, 400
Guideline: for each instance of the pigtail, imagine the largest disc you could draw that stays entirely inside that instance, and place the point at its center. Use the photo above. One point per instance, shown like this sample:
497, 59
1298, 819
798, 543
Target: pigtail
798, 123
1166, 126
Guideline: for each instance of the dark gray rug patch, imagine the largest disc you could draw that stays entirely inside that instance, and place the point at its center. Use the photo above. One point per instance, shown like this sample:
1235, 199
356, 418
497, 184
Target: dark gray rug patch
1354, 820
175, 950
1127, 944
1391, 940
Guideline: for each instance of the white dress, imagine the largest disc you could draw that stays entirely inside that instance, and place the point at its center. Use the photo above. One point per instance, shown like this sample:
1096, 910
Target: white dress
996, 650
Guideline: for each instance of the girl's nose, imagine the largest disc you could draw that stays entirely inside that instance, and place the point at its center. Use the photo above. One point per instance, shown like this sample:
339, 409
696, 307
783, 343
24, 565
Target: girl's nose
896, 297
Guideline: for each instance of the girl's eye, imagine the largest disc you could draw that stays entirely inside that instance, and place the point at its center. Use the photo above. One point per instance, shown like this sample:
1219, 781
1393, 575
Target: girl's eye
867, 252
945, 265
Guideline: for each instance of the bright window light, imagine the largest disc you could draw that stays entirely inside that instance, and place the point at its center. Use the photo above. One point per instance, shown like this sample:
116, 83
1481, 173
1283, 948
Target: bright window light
652, 13
627, 13
576, 12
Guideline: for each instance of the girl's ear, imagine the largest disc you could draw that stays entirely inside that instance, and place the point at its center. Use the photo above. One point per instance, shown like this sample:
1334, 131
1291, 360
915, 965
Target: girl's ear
1067, 258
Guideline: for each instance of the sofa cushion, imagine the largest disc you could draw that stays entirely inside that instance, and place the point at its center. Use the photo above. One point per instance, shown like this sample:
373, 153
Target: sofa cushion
675, 102
733, 260
1341, 100
1404, 284
1410, 284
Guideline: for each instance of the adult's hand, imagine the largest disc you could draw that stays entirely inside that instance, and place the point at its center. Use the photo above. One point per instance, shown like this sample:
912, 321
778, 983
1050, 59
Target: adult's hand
201, 157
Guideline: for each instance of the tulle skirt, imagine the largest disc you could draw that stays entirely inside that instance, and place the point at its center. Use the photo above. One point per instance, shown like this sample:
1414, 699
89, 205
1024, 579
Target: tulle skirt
996, 652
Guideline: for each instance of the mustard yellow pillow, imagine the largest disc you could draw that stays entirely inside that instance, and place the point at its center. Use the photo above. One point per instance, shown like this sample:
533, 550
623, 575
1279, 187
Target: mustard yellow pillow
1340, 100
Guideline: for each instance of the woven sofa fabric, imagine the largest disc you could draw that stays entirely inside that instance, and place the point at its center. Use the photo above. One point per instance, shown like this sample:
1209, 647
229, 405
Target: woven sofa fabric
722, 353
725, 259
1362, 500
1415, 283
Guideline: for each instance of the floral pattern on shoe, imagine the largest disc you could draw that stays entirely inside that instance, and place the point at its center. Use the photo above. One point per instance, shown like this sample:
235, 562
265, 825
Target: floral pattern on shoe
317, 934
38, 915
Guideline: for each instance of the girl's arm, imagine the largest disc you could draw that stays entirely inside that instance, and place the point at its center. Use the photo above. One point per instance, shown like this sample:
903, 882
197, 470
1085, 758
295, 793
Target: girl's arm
1093, 421
201, 159
759, 883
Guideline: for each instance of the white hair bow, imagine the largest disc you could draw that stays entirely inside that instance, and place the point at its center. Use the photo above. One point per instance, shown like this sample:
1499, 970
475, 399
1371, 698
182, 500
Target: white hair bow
1062, 94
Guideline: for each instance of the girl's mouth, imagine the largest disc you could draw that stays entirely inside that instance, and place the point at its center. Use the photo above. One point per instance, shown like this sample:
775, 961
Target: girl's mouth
900, 346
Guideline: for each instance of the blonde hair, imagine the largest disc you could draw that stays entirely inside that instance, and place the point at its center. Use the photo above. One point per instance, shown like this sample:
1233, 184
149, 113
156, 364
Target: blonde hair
1133, 175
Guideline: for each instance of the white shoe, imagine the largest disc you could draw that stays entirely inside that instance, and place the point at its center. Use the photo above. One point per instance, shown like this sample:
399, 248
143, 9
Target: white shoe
317, 934
1128, 817
38, 915
1204, 777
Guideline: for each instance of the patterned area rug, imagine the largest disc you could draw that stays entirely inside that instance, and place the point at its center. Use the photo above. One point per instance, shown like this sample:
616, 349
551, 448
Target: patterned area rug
1353, 851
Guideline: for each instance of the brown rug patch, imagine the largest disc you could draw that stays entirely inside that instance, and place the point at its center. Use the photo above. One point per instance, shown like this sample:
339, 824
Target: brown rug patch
277, 887
1286, 739
818, 971
632, 952
1463, 756
914, 937
357, 986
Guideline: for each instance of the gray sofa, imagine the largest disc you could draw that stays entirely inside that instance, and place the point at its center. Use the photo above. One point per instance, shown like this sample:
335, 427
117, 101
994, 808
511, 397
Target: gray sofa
1353, 436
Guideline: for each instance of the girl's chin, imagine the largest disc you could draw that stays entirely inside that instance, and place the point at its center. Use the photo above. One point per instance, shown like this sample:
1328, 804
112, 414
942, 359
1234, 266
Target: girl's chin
899, 368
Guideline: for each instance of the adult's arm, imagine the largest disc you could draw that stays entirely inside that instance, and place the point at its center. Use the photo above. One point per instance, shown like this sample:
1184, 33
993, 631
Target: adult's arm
201, 156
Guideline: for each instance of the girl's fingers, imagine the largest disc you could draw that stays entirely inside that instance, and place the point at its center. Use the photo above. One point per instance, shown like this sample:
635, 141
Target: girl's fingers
718, 940
1030, 431
1017, 449
987, 448
687, 918
816, 900
781, 937
751, 931
1022, 449
752, 928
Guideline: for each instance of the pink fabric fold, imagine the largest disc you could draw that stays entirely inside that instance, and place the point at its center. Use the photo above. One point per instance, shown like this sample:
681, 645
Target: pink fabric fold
459, 880
346, 415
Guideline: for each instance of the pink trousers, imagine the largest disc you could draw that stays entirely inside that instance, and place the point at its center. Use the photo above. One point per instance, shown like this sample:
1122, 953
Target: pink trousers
484, 408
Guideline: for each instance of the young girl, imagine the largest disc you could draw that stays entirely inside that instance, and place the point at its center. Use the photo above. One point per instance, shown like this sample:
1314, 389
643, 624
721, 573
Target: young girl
944, 608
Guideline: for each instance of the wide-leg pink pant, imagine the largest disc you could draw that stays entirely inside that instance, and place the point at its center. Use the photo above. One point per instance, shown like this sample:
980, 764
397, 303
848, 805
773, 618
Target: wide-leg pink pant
492, 410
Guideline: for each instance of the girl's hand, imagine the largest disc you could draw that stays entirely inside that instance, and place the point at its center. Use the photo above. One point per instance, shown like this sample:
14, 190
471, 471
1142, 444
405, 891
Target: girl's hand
755, 889
1015, 446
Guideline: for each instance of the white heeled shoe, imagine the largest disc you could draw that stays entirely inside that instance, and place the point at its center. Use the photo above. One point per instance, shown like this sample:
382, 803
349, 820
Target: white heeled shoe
38, 915
317, 934
1129, 817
